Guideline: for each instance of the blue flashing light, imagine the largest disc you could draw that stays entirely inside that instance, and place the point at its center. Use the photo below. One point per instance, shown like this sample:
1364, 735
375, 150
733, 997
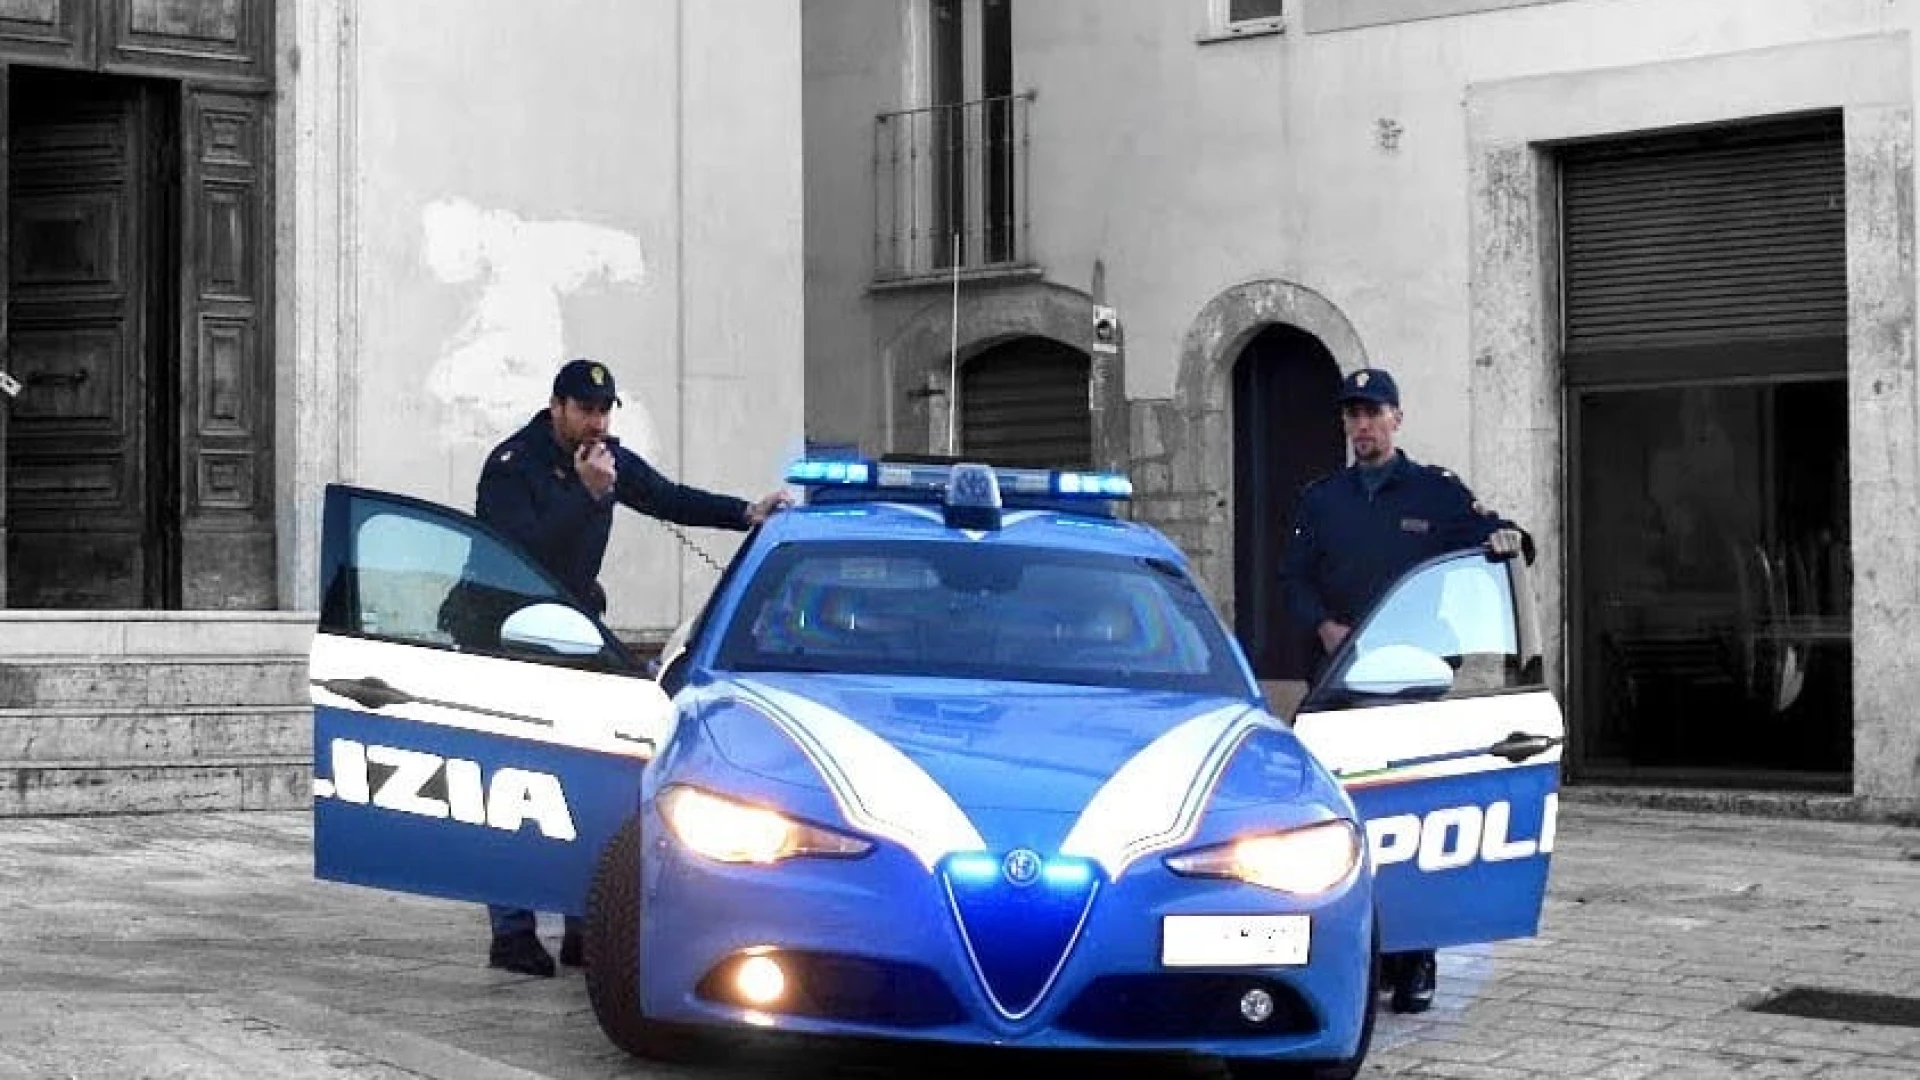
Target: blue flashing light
984, 868
1095, 485
1065, 873
830, 471
973, 867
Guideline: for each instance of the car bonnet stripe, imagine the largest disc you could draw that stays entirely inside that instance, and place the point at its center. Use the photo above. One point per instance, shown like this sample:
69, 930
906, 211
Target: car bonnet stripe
880, 789
1155, 800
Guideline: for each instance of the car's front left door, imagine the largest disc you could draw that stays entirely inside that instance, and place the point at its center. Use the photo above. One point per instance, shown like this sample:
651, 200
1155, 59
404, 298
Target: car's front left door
1436, 716
476, 735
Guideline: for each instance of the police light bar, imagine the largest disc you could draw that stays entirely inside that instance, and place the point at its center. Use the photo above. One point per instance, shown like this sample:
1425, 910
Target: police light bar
934, 479
830, 471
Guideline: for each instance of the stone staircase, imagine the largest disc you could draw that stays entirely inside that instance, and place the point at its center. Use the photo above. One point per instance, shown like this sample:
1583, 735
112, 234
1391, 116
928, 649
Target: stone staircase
151, 711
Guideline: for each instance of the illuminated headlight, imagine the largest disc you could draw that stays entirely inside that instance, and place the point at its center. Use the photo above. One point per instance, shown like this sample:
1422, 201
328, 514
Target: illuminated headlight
1304, 862
729, 831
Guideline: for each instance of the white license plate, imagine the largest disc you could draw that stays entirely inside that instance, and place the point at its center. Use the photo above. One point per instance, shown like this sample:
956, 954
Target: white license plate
1235, 940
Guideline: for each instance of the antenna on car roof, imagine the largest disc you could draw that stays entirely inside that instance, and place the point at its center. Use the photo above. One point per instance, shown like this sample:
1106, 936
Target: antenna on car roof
953, 356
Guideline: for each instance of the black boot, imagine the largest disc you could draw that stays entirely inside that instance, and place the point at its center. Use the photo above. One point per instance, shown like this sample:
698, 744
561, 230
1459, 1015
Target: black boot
522, 954
573, 952
1413, 990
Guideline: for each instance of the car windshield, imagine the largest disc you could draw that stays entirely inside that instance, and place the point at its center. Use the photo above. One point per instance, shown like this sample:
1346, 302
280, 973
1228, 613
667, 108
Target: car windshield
983, 611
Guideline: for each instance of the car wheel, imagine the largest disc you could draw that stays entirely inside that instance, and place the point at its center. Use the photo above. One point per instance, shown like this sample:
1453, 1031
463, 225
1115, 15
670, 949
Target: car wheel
612, 942
1344, 1069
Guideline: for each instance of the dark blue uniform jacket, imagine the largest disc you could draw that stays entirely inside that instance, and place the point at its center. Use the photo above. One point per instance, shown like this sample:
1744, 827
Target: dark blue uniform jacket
1349, 546
530, 492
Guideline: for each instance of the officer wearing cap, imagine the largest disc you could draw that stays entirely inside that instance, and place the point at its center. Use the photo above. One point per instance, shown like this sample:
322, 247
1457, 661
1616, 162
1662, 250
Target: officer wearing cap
1357, 531
551, 488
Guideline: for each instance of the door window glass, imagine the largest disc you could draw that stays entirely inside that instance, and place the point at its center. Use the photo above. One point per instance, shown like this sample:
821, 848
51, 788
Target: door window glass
1449, 629
438, 581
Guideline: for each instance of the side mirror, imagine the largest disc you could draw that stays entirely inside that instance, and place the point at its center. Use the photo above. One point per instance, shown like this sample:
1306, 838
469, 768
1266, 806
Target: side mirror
1397, 669
551, 628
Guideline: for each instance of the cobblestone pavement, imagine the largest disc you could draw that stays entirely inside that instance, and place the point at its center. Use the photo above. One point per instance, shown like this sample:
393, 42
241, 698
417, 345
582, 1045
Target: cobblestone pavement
198, 945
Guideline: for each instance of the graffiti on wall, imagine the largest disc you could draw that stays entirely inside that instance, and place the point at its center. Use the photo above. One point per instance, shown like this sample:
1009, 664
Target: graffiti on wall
497, 368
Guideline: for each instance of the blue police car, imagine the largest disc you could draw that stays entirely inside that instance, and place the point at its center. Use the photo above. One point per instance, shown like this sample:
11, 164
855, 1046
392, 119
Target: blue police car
954, 754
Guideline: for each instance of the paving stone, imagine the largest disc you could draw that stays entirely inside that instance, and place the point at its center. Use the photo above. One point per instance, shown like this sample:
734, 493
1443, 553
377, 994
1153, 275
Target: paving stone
199, 944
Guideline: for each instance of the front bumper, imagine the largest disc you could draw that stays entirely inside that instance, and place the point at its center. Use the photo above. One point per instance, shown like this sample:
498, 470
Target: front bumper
872, 949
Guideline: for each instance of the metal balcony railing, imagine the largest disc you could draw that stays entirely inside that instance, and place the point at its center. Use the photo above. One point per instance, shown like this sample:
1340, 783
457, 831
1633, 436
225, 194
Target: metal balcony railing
951, 171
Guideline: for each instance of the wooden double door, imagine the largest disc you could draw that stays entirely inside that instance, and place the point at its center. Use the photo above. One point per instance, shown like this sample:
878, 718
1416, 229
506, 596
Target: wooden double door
91, 452
136, 448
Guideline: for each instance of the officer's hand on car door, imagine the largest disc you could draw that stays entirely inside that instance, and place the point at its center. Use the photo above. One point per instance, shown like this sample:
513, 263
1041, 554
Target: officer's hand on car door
1505, 543
594, 464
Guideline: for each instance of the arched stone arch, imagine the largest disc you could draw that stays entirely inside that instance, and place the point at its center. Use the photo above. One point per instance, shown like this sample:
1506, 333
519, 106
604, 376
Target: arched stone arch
1197, 433
916, 360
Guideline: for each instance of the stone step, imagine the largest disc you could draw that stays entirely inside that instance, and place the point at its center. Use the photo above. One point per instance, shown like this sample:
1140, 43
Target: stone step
169, 681
106, 712
155, 633
111, 735
37, 789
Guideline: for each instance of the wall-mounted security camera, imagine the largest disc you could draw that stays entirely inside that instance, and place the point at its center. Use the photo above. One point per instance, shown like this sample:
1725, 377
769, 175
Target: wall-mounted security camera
1106, 330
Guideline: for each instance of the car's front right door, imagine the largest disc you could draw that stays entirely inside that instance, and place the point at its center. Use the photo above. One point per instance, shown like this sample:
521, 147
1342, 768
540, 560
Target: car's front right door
1436, 716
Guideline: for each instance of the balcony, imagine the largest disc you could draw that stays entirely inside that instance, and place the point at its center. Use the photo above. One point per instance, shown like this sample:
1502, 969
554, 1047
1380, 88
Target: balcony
951, 190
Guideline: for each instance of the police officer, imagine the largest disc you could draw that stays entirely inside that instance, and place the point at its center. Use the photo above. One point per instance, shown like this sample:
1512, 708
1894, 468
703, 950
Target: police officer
1357, 531
551, 488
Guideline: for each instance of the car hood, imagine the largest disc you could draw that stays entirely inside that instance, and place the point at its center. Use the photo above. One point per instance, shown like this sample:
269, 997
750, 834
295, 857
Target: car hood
1003, 746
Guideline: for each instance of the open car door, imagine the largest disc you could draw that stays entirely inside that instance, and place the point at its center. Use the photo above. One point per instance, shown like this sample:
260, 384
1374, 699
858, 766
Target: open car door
1436, 715
476, 735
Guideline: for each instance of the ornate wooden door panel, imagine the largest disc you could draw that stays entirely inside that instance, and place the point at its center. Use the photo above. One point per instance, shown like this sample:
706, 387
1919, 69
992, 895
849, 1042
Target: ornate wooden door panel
80, 501
228, 40
53, 32
226, 380
225, 41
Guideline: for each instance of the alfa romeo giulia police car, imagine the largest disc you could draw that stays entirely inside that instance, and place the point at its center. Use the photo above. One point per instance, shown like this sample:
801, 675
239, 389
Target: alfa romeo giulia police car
953, 754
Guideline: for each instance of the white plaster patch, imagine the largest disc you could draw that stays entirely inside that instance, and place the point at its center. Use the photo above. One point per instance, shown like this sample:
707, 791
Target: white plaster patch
497, 369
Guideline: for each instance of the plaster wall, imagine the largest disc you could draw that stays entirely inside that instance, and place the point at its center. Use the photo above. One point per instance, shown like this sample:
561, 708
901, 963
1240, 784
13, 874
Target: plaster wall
486, 189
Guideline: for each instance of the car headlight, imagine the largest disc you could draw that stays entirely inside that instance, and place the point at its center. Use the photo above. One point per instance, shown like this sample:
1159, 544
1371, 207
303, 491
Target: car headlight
1304, 862
727, 830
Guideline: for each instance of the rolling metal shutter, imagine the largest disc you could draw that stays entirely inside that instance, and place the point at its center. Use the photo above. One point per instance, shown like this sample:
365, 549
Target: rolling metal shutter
1706, 238
1025, 404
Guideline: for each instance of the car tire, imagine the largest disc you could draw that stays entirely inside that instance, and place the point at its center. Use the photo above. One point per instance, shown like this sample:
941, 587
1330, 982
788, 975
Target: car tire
611, 938
1344, 1069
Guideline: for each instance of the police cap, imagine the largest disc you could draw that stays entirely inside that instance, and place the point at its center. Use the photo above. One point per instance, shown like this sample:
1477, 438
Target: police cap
585, 380
1370, 384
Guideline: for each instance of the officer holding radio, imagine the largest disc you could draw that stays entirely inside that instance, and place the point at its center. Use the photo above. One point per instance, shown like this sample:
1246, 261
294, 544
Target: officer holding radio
551, 488
1355, 533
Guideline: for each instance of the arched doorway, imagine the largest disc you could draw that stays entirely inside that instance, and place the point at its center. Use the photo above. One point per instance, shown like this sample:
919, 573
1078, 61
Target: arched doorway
1024, 403
1286, 432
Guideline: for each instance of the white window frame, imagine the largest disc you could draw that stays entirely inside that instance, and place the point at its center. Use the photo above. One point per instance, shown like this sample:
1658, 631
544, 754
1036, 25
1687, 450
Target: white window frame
1222, 27
917, 89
